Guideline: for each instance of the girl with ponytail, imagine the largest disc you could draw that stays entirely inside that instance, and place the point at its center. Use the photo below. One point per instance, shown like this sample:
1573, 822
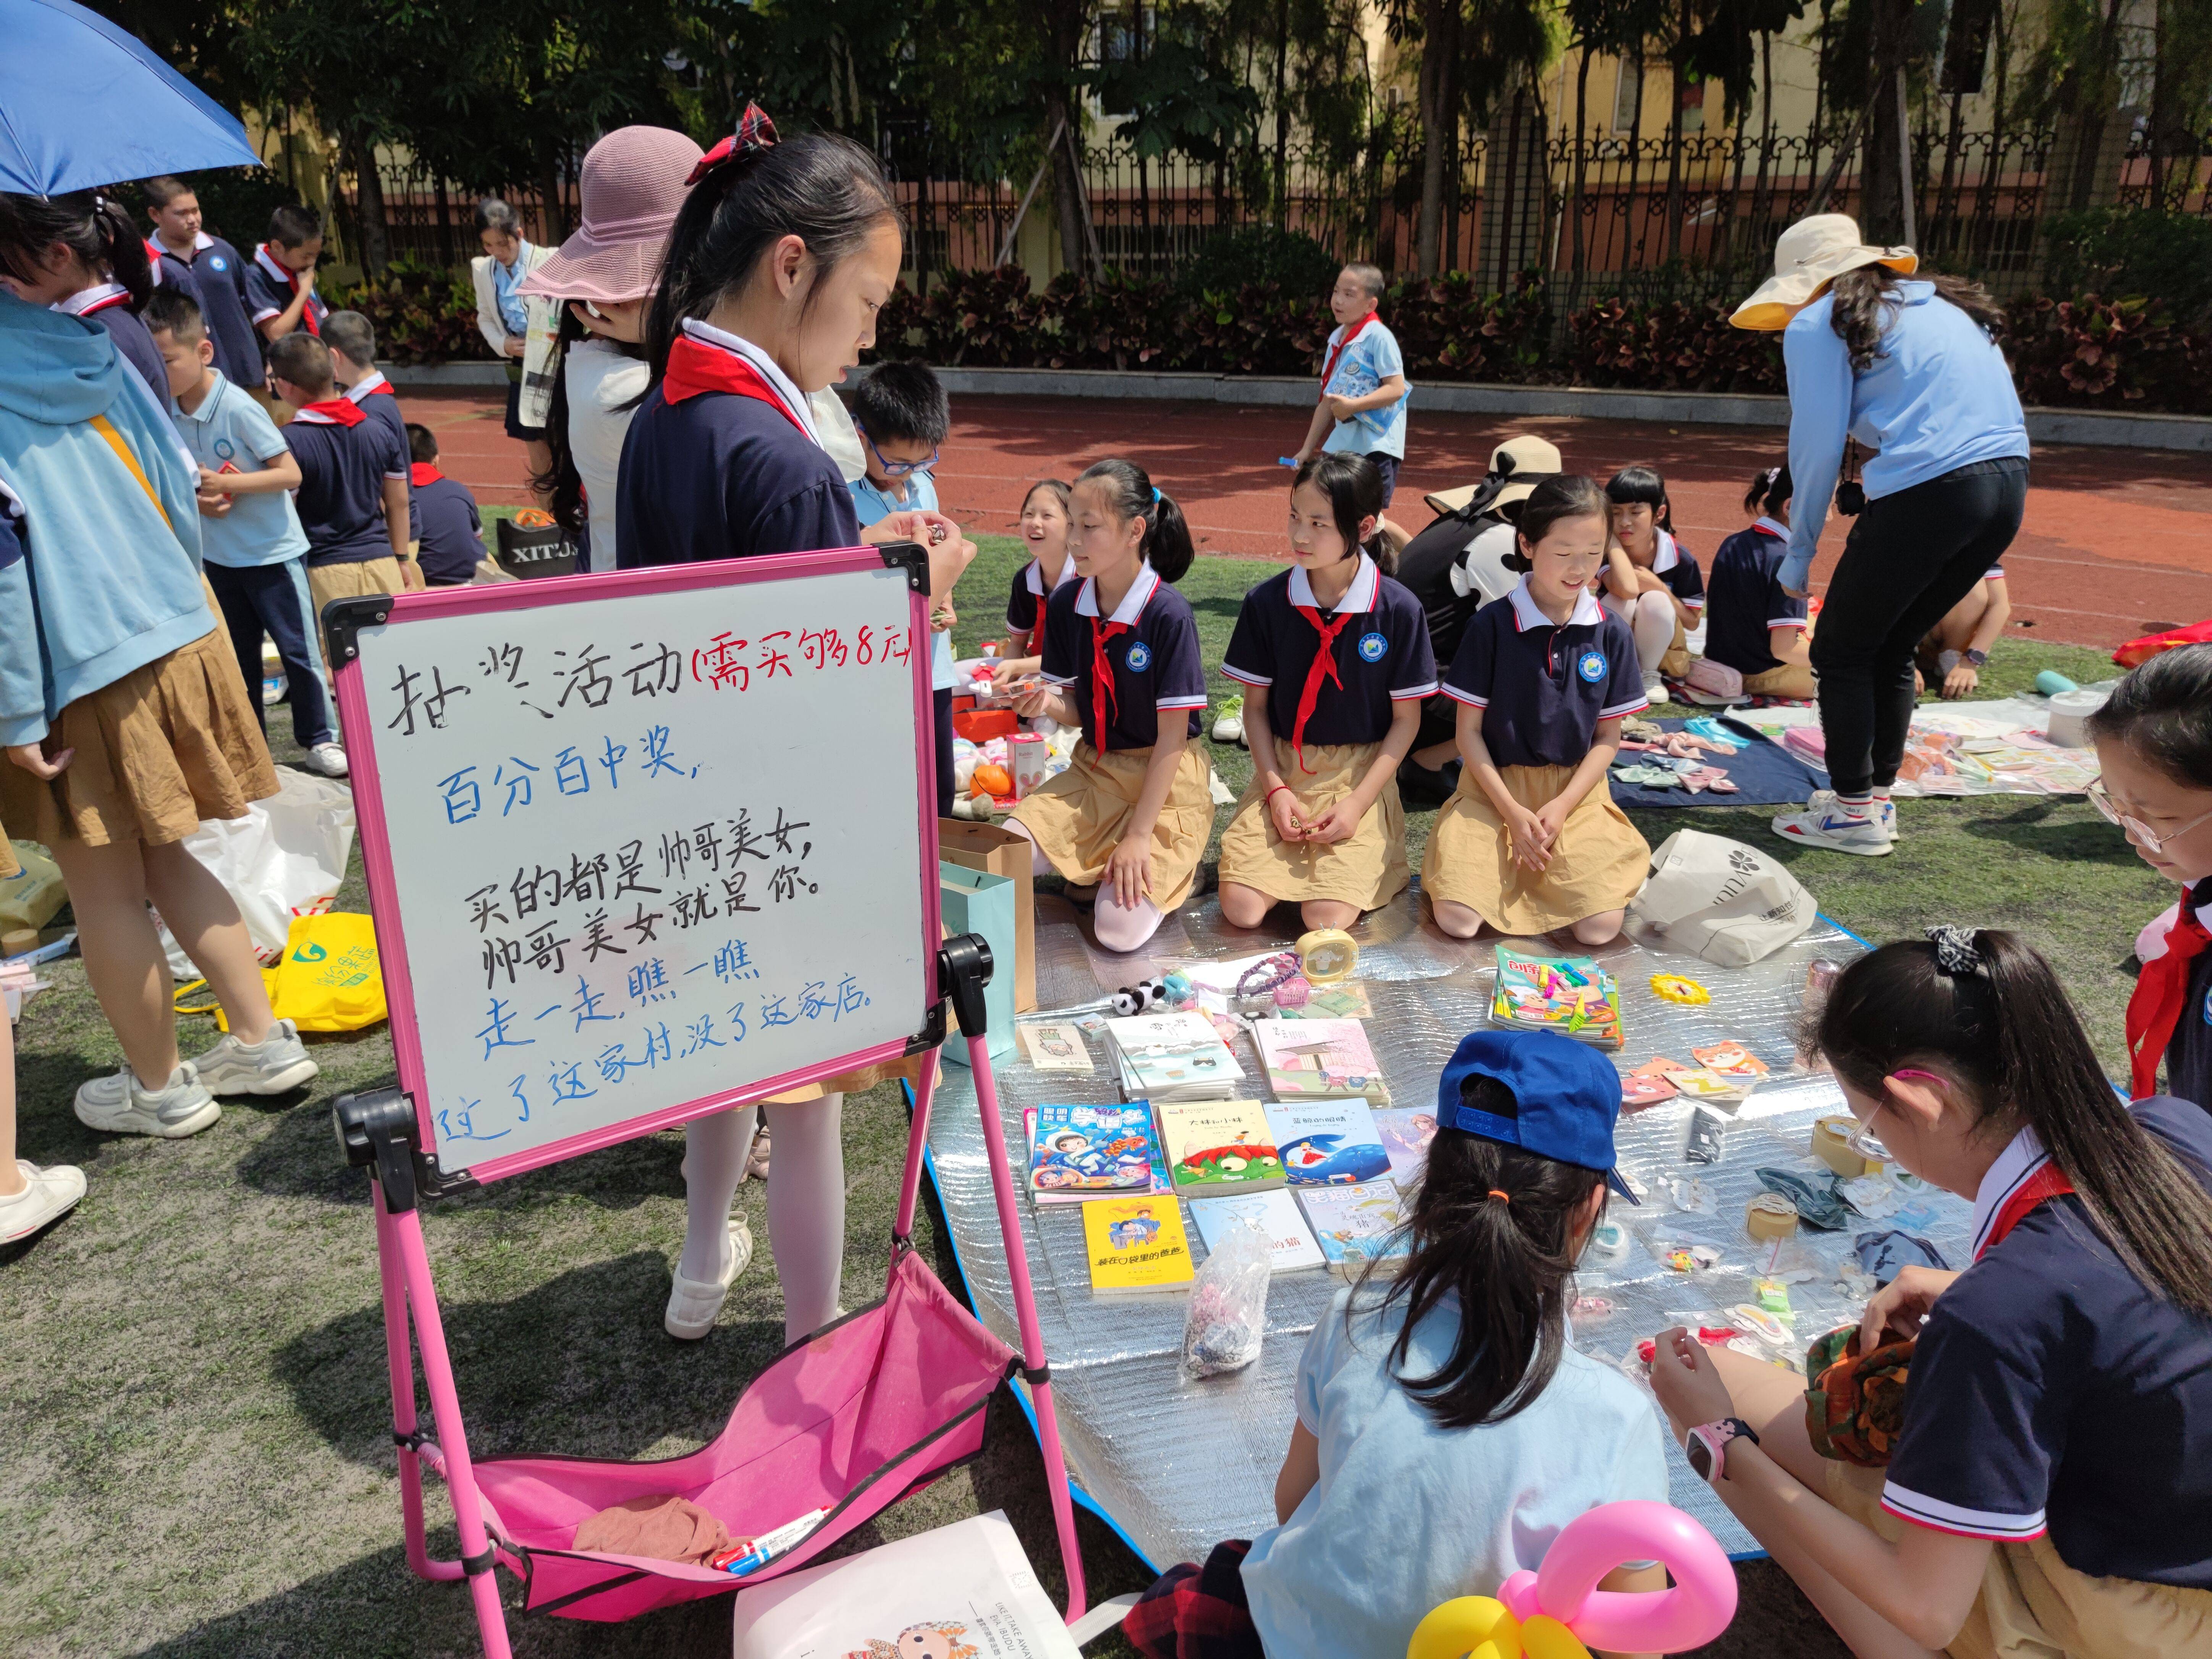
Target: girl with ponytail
777, 262
2051, 1489
1447, 1426
1130, 818
1335, 659
79, 254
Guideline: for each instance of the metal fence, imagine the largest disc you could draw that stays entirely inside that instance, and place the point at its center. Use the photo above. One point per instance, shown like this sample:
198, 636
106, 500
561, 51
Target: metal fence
1596, 214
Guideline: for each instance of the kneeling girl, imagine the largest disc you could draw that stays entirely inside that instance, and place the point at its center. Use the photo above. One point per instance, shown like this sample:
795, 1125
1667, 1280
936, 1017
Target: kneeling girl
1133, 811
1323, 824
1531, 840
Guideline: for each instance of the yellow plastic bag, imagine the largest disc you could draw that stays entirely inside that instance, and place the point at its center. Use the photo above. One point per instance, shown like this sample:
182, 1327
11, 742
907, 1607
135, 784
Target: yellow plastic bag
328, 979
31, 898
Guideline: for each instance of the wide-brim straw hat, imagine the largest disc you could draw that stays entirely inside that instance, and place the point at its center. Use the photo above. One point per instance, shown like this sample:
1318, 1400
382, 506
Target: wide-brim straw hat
1517, 467
632, 184
1808, 257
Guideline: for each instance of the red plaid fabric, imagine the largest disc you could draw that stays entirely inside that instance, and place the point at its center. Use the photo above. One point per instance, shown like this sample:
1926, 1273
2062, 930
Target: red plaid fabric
1197, 1613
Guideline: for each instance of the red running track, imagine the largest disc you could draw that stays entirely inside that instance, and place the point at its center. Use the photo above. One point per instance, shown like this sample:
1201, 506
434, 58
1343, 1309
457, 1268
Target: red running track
2117, 542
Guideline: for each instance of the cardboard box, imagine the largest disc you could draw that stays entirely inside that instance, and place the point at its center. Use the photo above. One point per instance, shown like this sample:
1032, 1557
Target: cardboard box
1000, 853
1027, 756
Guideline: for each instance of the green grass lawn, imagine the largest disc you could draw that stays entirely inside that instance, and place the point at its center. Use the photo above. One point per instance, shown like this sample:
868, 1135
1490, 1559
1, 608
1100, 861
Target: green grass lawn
192, 1392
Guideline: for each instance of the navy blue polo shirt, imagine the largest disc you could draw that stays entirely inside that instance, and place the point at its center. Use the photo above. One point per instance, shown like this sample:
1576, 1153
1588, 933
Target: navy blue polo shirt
1542, 689
107, 306
217, 280
1156, 663
341, 493
269, 289
719, 475
1026, 602
2188, 1053
1383, 658
1677, 569
373, 396
453, 533
1748, 599
2051, 1390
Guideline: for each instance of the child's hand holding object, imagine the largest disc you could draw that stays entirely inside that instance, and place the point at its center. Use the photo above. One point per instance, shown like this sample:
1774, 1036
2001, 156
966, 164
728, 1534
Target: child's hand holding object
1283, 808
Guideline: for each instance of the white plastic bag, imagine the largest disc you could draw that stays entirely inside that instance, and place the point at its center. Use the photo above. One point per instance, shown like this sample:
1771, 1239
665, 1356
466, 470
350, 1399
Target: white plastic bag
1227, 1311
285, 858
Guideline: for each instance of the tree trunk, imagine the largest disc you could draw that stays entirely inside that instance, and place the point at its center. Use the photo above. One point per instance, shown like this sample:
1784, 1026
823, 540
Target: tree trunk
1581, 149
549, 191
1282, 115
1678, 70
1881, 198
1067, 199
1439, 124
1631, 232
369, 202
445, 227
1762, 205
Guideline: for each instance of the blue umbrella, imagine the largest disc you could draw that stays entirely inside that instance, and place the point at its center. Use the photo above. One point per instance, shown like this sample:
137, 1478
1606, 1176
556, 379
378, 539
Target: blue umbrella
83, 103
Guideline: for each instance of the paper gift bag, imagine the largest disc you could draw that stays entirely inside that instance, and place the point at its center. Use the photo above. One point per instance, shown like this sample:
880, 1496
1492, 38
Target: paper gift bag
1002, 852
1726, 902
977, 901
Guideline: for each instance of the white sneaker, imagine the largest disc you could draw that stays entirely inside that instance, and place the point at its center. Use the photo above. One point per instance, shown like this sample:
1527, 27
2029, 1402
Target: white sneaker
277, 1063
1655, 688
51, 1195
1823, 823
328, 759
181, 1107
1229, 724
694, 1304
1886, 816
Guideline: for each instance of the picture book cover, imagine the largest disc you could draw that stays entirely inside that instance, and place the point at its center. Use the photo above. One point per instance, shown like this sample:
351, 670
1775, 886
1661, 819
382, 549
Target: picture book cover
1709, 1086
1327, 1143
1331, 1002
1732, 1060
1173, 1056
1136, 1244
1045, 1196
1317, 1059
1092, 1149
1290, 1241
1217, 1146
1571, 995
1638, 1092
1407, 1132
1353, 1225
1056, 1045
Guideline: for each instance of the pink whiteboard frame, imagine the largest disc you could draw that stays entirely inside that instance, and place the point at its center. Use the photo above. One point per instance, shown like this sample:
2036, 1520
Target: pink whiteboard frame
376, 846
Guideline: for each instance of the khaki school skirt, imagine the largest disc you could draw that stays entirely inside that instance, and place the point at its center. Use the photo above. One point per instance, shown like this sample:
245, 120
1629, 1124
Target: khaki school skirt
165, 746
1077, 818
1367, 870
1598, 861
2033, 1603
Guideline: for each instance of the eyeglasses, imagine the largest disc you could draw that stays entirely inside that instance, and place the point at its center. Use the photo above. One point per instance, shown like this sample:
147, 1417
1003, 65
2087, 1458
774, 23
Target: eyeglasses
2146, 837
897, 469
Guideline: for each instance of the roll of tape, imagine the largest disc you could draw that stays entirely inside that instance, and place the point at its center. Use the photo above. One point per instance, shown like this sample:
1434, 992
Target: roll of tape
1770, 1216
1832, 1145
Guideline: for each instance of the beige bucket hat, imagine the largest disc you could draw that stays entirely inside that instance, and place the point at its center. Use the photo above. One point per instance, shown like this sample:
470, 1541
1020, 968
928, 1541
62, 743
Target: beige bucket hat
1517, 467
1808, 257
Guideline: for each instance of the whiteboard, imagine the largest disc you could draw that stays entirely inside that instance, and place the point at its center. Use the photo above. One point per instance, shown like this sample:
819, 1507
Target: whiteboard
646, 840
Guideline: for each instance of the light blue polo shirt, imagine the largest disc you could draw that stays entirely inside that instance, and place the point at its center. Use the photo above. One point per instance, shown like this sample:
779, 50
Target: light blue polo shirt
872, 505
1368, 361
1406, 1515
229, 430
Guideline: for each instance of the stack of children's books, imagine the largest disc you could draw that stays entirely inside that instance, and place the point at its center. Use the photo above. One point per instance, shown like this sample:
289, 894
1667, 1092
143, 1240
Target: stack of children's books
1571, 995
1319, 1059
1172, 1056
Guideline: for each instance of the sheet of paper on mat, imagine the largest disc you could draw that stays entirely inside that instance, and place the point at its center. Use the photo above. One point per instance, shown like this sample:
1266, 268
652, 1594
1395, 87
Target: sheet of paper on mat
967, 1588
2005, 735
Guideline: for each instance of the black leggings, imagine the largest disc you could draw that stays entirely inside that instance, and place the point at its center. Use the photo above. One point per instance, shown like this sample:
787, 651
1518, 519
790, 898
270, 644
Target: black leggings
1910, 558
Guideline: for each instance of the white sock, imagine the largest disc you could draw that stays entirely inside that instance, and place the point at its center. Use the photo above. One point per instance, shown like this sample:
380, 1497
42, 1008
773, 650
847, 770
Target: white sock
1653, 624
1855, 806
714, 1152
1121, 930
807, 1209
1039, 864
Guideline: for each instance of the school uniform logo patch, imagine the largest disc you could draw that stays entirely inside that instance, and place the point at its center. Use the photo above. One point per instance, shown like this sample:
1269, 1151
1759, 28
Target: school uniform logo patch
1140, 657
1372, 647
218, 262
2208, 1004
1591, 665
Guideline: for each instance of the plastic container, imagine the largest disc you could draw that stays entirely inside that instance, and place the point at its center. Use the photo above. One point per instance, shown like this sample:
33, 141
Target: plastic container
2070, 711
2050, 683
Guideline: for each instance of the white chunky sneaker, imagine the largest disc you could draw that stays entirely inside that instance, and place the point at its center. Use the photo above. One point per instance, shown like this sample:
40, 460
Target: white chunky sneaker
1825, 824
277, 1063
180, 1106
694, 1304
50, 1194
328, 759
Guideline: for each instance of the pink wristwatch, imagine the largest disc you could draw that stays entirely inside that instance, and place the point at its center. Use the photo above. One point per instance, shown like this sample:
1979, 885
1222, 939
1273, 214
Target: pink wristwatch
1706, 1446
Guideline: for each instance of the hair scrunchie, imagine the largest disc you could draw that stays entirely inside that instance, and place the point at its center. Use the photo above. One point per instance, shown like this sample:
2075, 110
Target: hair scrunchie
1957, 957
756, 134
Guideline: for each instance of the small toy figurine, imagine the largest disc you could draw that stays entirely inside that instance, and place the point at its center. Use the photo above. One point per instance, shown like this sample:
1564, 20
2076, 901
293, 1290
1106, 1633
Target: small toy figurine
1145, 997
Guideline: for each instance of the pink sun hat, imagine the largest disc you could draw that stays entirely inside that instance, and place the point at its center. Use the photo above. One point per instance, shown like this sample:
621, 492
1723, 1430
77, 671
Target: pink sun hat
633, 183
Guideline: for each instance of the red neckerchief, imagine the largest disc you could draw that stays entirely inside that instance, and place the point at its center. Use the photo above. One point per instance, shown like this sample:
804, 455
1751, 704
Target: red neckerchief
694, 367
381, 389
292, 286
2155, 1006
2048, 1183
1336, 351
1324, 667
424, 473
334, 411
1102, 699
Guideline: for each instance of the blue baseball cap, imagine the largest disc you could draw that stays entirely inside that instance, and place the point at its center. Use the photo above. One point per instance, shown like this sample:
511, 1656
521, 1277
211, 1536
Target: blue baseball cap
1569, 1094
